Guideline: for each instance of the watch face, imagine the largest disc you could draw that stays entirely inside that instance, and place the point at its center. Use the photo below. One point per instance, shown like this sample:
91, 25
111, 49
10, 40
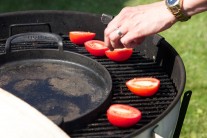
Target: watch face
171, 2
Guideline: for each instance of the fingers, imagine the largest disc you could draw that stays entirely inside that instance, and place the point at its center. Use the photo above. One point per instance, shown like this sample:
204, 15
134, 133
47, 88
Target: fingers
112, 39
108, 43
117, 34
120, 31
131, 39
120, 38
113, 33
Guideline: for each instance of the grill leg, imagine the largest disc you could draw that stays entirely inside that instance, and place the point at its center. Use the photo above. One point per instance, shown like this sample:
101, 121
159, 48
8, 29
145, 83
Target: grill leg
183, 110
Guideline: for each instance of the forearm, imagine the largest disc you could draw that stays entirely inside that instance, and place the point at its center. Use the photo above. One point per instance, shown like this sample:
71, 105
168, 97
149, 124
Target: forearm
192, 7
135, 23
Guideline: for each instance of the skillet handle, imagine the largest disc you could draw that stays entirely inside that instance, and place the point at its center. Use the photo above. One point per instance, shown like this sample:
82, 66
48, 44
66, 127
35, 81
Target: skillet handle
28, 25
34, 37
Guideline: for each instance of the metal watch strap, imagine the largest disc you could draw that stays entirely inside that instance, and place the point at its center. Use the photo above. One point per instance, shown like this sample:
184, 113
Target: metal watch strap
178, 12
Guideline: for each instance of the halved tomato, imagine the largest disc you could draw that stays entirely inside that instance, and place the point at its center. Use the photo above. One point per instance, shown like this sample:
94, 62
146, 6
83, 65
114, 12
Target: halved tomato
119, 55
143, 86
121, 115
80, 37
96, 47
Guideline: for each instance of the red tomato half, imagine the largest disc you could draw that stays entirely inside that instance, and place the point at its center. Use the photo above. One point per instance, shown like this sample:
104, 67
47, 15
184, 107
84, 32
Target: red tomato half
119, 55
80, 37
121, 115
96, 47
143, 86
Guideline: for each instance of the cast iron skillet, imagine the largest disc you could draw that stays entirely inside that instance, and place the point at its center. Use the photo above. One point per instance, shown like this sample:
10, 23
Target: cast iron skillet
67, 87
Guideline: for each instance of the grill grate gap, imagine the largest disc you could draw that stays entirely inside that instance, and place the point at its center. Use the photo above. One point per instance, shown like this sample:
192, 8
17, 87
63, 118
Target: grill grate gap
137, 66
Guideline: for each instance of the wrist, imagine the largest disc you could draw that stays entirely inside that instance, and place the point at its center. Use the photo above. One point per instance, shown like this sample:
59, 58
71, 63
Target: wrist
176, 8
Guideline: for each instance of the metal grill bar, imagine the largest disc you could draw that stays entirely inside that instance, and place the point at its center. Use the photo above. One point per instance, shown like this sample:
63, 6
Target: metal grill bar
137, 66
151, 107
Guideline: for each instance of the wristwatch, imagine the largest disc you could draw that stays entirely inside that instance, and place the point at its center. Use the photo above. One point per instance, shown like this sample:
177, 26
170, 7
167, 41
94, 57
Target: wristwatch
175, 6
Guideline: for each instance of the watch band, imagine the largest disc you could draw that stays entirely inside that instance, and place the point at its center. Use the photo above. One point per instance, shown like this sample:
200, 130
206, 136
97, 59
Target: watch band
177, 11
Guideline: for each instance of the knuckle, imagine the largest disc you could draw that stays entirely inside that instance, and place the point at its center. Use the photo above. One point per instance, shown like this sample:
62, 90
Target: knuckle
124, 42
106, 32
125, 10
112, 38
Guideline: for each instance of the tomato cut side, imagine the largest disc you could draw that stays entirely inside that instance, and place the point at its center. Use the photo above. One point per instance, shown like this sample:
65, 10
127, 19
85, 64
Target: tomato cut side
80, 37
96, 47
121, 115
119, 55
143, 86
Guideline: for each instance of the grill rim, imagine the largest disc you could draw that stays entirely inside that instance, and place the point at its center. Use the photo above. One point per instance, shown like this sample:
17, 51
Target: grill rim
161, 43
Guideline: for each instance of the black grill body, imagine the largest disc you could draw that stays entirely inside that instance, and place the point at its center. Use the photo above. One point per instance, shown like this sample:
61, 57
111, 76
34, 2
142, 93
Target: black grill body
155, 57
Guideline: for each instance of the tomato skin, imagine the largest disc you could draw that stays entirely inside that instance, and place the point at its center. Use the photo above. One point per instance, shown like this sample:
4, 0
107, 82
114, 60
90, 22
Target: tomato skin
119, 55
143, 86
80, 37
124, 116
96, 47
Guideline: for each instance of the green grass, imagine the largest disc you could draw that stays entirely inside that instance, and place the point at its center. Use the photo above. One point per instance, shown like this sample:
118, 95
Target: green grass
189, 39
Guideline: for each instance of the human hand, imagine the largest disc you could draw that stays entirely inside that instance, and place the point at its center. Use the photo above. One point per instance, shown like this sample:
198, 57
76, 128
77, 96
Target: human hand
130, 27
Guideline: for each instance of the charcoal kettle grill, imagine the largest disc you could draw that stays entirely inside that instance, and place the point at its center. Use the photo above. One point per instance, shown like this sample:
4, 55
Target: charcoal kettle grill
163, 114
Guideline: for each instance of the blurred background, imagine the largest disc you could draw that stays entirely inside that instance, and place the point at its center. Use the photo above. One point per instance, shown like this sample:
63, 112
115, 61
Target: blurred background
188, 38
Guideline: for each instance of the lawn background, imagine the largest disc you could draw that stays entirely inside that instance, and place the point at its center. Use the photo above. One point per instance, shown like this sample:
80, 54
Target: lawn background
189, 39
